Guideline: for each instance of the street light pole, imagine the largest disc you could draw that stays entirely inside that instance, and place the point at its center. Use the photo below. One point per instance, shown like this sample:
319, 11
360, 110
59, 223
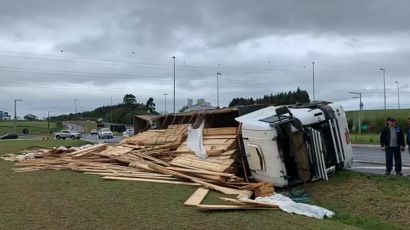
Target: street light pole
384, 85
111, 110
217, 87
15, 114
360, 108
313, 73
165, 100
48, 121
398, 94
173, 57
75, 106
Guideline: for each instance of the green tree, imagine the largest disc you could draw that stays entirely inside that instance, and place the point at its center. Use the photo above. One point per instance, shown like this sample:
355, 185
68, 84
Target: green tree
129, 99
150, 105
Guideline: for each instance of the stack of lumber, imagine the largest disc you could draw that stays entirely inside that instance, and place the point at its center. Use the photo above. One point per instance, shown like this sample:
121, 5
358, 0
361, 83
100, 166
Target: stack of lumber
170, 138
157, 156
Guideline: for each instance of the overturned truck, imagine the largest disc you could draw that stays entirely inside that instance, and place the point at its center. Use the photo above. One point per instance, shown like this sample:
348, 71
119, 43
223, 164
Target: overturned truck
293, 144
283, 145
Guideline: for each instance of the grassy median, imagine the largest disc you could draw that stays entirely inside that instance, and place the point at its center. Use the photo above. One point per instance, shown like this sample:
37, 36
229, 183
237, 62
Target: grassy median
71, 200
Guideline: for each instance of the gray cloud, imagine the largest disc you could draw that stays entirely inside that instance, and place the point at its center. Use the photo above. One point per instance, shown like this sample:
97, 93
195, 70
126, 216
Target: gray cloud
110, 48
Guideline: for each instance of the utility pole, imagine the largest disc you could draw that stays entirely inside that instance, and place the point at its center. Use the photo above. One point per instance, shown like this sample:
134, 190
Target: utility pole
360, 108
398, 94
75, 106
384, 85
75, 116
15, 114
313, 73
48, 121
165, 100
217, 87
111, 110
173, 57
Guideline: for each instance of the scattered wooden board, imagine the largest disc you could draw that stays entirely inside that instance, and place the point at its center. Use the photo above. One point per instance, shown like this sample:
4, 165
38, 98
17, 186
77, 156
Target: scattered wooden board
150, 180
197, 197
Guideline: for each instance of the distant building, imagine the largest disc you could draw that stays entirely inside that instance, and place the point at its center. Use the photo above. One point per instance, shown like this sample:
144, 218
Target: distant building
200, 105
4, 116
190, 102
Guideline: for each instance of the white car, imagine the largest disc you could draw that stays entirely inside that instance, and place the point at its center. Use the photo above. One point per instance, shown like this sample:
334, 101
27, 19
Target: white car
105, 133
128, 133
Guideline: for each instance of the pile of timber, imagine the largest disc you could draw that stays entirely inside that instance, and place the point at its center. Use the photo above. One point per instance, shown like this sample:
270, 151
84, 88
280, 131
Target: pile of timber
159, 156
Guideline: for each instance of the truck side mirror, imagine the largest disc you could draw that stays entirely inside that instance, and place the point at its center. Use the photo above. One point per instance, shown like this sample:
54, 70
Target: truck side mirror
283, 110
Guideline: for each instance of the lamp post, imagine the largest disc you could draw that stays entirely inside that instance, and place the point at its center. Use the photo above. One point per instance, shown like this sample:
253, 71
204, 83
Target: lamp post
217, 87
48, 121
360, 108
398, 94
165, 100
384, 86
75, 116
173, 57
15, 114
313, 75
111, 110
75, 106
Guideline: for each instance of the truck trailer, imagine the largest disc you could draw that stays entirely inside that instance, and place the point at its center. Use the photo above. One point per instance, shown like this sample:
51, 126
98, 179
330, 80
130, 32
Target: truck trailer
293, 144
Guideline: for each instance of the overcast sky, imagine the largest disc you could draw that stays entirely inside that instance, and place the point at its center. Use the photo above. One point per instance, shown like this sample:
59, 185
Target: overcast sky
53, 52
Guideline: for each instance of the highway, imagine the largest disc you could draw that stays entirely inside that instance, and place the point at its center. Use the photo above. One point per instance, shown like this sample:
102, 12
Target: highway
95, 139
371, 159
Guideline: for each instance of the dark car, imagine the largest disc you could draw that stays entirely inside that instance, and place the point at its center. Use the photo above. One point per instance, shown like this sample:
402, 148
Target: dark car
9, 136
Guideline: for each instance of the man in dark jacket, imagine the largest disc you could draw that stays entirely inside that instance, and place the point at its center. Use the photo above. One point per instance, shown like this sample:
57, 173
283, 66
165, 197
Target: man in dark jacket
392, 141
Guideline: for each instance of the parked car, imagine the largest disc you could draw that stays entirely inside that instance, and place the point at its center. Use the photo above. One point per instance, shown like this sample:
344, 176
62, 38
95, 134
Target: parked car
63, 134
105, 133
94, 132
128, 133
9, 136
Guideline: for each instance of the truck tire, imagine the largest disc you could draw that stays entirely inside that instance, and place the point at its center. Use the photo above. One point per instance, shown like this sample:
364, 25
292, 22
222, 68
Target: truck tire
72, 137
58, 137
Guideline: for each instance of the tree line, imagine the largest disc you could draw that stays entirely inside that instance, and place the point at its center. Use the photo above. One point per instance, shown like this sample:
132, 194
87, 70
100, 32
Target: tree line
283, 98
120, 113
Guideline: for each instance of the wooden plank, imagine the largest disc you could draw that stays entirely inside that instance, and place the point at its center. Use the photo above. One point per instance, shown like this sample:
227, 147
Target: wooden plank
220, 131
219, 141
197, 197
210, 165
115, 151
224, 190
201, 171
82, 152
153, 159
149, 180
219, 137
130, 176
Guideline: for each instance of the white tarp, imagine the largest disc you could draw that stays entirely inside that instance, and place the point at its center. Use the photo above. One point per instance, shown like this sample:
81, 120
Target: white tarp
288, 205
195, 141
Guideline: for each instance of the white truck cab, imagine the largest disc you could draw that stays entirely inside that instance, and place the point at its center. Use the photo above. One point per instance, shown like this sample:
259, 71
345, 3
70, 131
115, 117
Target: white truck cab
292, 144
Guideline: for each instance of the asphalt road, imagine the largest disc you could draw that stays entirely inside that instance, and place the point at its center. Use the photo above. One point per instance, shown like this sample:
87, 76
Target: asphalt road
371, 159
95, 139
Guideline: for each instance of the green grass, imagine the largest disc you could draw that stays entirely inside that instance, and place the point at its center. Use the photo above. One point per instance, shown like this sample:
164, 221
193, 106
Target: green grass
71, 200
34, 127
371, 139
376, 118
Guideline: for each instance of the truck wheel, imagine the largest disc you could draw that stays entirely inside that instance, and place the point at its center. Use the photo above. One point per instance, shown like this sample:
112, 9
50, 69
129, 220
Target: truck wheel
72, 137
58, 137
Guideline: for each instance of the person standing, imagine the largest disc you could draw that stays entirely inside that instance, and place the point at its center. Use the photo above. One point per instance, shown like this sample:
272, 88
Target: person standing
392, 141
